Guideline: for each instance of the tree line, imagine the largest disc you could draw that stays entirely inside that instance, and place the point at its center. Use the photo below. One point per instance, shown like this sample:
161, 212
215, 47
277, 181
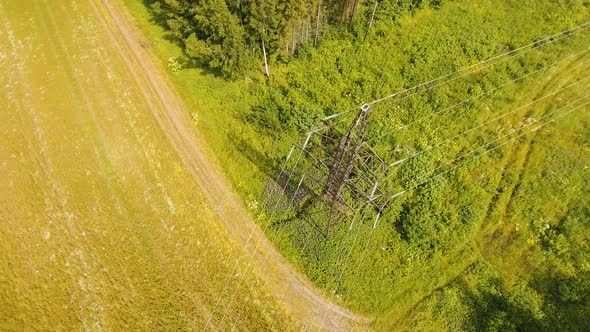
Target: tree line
232, 37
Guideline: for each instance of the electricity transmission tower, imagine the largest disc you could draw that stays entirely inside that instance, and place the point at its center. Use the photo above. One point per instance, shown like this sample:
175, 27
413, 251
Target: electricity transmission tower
330, 177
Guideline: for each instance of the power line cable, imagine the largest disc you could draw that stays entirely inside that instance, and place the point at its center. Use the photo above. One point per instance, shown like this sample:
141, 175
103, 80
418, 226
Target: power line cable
398, 162
477, 96
339, 259
483, 153
260, 239
536, 44
251, 288
510, 133
255, 248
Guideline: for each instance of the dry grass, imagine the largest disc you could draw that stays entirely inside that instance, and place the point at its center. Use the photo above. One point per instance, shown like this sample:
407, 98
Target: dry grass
102, 226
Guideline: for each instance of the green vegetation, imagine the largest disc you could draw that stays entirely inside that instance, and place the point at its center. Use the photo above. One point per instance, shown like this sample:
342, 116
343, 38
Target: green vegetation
102, 228
499, 244
227, 36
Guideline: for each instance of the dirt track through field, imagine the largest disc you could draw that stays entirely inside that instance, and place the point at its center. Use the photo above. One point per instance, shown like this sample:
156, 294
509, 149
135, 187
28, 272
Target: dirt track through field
300, 297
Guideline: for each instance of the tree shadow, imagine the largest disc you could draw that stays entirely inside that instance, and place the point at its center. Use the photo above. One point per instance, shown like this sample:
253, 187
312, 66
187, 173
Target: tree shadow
495, 310
187, 62
262, 161
160, 20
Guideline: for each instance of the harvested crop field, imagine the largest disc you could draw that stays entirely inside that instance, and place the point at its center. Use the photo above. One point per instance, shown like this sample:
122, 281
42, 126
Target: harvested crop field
102, 225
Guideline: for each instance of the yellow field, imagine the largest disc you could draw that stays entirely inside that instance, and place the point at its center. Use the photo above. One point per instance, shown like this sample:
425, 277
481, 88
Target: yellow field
102, 225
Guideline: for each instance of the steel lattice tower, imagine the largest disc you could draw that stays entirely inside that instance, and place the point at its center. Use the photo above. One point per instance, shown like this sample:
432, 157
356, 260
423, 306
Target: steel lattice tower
330, 177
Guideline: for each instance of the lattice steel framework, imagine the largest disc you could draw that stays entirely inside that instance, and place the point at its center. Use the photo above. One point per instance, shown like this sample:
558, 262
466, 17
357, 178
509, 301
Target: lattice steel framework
329, 177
